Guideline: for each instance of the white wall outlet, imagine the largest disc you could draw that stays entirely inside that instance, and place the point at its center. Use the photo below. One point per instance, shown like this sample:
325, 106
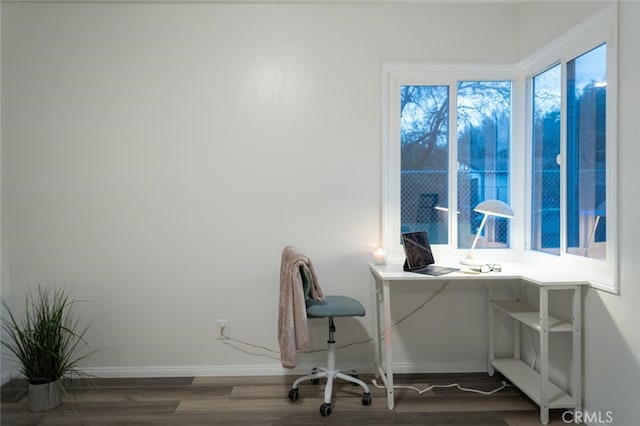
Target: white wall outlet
223, 329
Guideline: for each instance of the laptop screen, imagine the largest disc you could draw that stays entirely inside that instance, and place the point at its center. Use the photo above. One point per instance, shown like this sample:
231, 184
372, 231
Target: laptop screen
417, 249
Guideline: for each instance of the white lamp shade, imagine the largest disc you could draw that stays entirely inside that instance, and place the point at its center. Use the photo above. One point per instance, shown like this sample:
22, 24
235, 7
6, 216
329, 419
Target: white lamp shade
494, 208
488, 208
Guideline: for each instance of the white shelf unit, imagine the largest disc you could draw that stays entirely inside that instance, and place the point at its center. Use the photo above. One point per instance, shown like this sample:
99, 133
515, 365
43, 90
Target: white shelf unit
534, 384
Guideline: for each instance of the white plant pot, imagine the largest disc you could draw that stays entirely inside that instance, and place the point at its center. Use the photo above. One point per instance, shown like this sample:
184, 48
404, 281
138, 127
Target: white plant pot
44, 397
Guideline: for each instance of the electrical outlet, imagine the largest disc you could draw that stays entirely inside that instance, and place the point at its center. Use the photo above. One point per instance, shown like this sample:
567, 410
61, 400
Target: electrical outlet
223, 329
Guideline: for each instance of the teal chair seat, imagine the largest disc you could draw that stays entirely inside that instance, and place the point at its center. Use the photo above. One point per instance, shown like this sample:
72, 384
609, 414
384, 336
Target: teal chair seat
334, 306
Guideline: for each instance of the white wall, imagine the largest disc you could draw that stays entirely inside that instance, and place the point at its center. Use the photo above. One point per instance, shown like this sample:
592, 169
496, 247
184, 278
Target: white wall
541, 21
612, 336
6, 365
159, 156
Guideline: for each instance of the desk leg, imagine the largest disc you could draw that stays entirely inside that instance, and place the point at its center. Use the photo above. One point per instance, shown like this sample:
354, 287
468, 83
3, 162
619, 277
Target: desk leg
544, 355
576, 374
490, 329
386, 298
375, 309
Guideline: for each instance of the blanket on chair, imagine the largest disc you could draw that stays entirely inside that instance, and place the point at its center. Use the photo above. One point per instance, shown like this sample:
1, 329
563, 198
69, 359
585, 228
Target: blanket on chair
293, 330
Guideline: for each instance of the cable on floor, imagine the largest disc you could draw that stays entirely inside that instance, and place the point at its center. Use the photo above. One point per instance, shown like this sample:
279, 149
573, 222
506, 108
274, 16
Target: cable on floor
452, 385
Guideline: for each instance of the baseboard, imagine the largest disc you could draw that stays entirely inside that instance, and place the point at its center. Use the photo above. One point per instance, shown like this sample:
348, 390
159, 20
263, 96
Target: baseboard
448, 367
271, 370
206, 371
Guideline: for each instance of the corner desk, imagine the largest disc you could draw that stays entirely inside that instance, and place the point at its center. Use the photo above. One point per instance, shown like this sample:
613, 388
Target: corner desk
535, 384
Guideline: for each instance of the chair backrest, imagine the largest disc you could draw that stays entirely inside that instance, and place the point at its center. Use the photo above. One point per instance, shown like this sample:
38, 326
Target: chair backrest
306, 282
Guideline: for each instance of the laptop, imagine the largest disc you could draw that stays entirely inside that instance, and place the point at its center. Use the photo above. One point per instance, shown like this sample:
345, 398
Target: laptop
419, 256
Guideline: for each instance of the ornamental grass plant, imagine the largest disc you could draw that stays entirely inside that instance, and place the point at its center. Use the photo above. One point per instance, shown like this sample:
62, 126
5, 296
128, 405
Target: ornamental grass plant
48, 341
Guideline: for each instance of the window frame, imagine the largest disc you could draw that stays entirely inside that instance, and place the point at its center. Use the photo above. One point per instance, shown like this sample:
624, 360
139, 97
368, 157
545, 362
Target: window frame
600, 28
396, 76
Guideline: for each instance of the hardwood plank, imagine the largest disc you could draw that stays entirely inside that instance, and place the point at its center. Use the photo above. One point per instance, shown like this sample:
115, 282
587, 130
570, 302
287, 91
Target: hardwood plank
307, 391
258, 400
244, 380
132, 382
464, 404
147, 393
78, 412
524, 418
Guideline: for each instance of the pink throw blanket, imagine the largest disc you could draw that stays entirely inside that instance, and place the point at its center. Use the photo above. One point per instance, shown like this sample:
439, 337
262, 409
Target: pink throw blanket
293, 331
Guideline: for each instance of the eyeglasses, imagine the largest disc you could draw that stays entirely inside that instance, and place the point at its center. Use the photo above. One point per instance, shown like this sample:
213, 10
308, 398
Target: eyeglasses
491, 268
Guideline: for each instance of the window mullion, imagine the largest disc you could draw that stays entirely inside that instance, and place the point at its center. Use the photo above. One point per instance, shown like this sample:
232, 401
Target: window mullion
563, 159
453, 166
391, 208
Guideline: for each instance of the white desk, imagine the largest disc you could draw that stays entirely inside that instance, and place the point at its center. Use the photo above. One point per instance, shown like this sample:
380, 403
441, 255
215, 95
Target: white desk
535, 384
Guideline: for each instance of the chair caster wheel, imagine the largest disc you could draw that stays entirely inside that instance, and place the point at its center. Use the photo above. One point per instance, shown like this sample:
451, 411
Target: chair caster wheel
366, 399
293, 395
325, 409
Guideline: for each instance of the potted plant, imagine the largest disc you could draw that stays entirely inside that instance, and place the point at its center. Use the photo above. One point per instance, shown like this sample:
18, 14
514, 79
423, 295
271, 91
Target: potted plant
48, 342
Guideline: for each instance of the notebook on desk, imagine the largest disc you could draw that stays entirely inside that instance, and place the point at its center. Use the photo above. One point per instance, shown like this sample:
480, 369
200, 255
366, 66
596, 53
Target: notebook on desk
419, 257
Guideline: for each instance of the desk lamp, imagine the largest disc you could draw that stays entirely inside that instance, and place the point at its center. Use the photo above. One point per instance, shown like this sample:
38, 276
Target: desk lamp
488, 208
599, 212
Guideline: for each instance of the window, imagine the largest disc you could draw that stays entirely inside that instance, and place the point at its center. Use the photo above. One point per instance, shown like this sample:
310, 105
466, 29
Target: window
586, 153
483, 117
484, 139
441, 165
545, 190
424, 157
572, 134
585, 156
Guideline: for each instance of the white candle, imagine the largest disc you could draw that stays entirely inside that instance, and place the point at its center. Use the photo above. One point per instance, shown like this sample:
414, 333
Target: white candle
378, 256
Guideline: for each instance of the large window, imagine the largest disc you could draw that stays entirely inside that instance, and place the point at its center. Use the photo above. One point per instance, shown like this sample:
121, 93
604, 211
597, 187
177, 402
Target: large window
585, 119
483, 116
573, 150
442, 164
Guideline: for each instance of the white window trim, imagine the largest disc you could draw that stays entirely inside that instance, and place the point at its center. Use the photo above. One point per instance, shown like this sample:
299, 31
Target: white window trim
600, 28
396, 75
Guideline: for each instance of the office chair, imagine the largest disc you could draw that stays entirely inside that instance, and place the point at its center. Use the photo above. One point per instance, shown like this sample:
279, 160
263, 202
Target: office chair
330, 307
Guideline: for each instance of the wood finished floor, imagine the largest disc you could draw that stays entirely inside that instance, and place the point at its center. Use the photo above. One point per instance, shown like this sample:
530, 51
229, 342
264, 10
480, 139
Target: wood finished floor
263, 400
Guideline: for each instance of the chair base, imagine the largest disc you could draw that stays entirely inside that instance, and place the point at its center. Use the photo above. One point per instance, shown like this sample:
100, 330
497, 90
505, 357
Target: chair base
330, 373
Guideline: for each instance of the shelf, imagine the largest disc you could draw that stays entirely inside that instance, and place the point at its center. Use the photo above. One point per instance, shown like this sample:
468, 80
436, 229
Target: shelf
530, 316
528, 381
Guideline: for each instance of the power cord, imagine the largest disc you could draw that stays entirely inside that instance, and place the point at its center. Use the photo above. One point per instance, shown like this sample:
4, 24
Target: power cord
226, 342
436, 293
226, 339
452, 385
373, 381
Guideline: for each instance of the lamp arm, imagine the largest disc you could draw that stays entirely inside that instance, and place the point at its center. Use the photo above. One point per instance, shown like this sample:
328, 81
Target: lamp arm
475, 240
